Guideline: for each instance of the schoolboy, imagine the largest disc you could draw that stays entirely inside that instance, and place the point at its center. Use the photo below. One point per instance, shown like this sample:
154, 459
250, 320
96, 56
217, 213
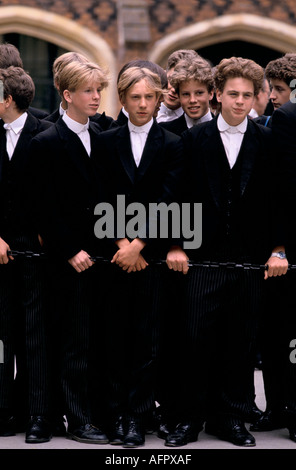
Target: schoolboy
170, 108
23, 313
193, 82
68, 192
280, 73
226, 160
104, 121
142, 162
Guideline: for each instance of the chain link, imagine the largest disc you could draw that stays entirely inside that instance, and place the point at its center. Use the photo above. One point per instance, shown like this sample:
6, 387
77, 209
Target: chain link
201, 264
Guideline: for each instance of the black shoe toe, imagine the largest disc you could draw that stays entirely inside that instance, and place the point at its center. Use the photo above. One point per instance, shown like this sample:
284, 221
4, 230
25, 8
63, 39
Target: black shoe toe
88, 434
237, 434
182, 435
269, 421
117, 433
38, 430
135, 435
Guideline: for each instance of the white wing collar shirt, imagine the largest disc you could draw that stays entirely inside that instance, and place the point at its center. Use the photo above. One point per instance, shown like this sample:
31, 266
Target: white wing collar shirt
80, 129
232, 137
138, 135
192, 122
13, 131
165, 114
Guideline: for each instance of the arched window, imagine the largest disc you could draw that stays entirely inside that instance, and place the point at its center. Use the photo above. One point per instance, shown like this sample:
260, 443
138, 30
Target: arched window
38, 56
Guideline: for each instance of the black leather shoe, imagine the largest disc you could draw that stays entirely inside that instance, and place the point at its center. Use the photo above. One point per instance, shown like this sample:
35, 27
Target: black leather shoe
237, 434
182, 435
7, 426
38, 430
292, 433
116, 434
269, 421
135, 435
253, 415
88, 434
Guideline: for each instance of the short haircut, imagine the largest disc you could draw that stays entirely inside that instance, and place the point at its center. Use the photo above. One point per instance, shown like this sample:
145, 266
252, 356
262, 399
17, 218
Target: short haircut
63, 60
147, 64
76, 74
238, 67
133, 75
9, 55
197, 69
19, 85
283, 68
178, 55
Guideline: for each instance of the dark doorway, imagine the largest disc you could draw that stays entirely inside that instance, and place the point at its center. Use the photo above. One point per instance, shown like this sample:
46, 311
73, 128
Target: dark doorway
260, 54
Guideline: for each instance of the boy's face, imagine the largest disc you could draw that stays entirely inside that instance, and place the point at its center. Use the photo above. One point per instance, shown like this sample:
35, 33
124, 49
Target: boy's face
262, 99
194, 98
171, 99
236, 100
140, 102
280, 92
83, 102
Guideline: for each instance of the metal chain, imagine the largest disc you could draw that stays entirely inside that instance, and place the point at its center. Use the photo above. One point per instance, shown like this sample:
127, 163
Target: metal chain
202, 264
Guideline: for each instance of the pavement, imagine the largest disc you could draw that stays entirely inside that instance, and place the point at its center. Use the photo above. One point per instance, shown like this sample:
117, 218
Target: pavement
154, 452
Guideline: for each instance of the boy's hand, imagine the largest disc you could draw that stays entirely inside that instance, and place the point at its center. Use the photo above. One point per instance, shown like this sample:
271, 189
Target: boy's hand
127, 257
4, 248
276, 267
177, 260
81, 261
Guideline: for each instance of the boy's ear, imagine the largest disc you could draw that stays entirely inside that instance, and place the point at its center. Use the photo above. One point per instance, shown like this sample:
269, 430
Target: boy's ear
67, 96
8, 101
218, 95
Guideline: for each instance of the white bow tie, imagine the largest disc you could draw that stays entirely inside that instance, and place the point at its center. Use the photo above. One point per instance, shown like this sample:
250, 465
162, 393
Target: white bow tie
84, 128
138, 131
233, 130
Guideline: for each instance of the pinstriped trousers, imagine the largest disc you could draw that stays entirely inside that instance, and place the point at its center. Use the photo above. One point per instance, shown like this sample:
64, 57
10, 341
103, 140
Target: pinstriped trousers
218, 337
79, 367
23, 317
132, 339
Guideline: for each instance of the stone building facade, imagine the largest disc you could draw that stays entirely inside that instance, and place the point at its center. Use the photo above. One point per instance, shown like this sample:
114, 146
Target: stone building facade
112, 32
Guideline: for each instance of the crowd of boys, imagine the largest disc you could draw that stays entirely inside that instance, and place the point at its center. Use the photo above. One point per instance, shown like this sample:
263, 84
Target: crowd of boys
93, 326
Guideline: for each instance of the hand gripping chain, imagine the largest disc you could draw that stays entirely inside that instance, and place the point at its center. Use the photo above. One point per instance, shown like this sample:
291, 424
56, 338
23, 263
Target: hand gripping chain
200, 264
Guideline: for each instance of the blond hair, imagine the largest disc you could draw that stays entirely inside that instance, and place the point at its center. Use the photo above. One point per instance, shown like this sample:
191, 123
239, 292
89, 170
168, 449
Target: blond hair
133, 75
63, 60
76, 74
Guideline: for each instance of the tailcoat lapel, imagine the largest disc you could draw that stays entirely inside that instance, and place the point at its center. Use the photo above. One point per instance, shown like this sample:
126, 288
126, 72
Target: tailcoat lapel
213, 153
124, 150
249, 148
74, 150
151, 149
